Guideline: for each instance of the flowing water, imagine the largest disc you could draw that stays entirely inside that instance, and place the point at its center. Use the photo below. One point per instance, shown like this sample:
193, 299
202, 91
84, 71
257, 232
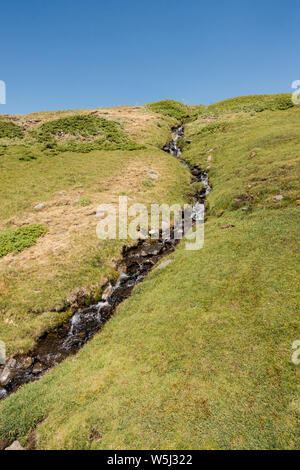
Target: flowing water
54, 346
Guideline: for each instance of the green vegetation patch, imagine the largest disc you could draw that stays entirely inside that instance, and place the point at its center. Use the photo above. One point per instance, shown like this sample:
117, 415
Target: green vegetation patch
10, 130
82, 125
215, 127
252, 103
171, 108
101, 133
13, 241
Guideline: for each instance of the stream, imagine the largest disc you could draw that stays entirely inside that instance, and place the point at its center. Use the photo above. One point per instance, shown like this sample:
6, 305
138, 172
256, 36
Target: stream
55, 346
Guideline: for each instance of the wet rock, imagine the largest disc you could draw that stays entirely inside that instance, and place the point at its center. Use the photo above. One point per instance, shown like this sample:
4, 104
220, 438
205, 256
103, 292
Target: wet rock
8, 372
3, 393
107, 292
39, 206
278, 198
152, 249
15, 446
27, 362
37, 368
195, 171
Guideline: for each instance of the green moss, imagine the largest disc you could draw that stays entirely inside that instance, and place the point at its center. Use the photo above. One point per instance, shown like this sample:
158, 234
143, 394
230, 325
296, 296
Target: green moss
10, 130
171, 108
13, 241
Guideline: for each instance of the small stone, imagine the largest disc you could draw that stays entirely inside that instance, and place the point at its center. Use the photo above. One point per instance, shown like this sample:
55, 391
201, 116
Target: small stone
38, 368
39, 206
107, 292
278, 198
8, 372
209, 158
15, 446
153, 176
164, 264
27, 362
245, 208
3, 393
227, 226
253, 154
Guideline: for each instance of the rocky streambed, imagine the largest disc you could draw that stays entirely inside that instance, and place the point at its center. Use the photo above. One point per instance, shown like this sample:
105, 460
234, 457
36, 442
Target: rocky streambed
55, 346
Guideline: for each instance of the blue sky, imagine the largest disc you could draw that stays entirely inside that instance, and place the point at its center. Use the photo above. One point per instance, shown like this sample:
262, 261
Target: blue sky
64, 54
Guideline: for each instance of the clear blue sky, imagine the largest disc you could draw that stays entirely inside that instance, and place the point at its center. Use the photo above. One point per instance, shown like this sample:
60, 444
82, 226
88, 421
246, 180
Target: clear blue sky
62, 54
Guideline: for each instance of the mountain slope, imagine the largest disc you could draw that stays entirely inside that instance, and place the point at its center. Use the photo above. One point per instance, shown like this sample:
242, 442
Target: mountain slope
199, 356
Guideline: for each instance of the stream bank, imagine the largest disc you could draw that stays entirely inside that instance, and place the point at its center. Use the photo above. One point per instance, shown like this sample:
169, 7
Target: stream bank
55, 346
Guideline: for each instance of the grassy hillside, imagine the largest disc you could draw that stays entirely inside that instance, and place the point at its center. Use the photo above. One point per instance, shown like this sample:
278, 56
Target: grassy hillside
50, 177
248, 104
199, 357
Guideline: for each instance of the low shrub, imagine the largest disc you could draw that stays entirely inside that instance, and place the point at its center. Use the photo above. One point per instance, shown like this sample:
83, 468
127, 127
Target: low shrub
171, 108
13, 241
103, 134
10, 130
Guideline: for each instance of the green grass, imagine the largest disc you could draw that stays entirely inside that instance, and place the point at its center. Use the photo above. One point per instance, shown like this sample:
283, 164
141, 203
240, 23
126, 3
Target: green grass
36, 283
84, 201
248, 104
13, 241
170, 108
10, 130
199, 357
